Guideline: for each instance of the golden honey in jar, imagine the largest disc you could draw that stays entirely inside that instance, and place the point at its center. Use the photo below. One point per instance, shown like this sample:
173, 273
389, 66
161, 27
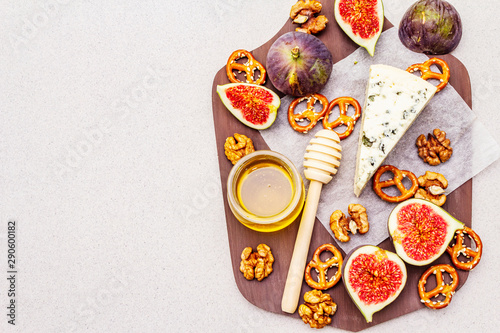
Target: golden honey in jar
265, 191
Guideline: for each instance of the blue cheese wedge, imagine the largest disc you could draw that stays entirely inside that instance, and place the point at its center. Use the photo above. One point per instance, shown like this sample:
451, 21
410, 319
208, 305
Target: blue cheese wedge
394, 99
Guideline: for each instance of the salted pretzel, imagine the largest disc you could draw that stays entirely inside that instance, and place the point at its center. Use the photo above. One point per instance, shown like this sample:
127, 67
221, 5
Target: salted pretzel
343, 119
309, 113
322, 268
426, 72
460, 248
249, 67
397, 181
447, 290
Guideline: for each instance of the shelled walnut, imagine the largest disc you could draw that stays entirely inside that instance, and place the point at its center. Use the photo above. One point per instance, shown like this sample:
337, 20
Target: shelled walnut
248, 263
359, 217
257, 264
265, 260
434, 149
304, 13
432, 186
341, 226
317, 309
236, 149
314, 25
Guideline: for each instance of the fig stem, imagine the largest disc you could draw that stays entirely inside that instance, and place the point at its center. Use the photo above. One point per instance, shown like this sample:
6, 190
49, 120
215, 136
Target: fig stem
295, 52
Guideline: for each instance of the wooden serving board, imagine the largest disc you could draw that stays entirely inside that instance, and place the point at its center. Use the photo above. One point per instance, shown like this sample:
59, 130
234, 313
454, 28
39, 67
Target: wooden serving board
267, 294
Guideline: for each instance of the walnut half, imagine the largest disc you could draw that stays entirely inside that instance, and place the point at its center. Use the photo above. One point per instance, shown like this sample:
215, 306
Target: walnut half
314, 25
432, 186
256, 264
248, 262
317, 309
304, 13
265, 260
341, 226
360, 218
237, 147
434, 149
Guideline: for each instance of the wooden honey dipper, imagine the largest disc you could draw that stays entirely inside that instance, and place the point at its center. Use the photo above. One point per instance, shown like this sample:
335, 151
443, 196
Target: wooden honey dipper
321, 160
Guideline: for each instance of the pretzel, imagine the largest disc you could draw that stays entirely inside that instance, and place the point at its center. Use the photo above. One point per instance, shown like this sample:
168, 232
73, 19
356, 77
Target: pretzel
308, 113
426, 72
397, 181
249, 67
322, 268
343, 119
446, 290
460, 248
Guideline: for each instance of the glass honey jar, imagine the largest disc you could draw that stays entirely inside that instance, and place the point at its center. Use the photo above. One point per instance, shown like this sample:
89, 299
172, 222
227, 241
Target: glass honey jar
265, 191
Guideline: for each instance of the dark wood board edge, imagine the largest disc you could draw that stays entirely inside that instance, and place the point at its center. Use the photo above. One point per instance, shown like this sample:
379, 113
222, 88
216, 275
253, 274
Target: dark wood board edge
267, 293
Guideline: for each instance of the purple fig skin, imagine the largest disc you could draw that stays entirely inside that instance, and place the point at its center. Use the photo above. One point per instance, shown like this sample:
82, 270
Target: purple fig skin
431, 26
299, 64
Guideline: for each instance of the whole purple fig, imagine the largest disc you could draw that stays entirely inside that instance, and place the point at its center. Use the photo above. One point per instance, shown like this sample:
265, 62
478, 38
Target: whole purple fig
299, 64
431, 27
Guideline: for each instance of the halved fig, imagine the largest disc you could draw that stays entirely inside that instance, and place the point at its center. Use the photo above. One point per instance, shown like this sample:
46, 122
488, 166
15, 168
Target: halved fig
361, 20
421, 231
373, 277
254, 105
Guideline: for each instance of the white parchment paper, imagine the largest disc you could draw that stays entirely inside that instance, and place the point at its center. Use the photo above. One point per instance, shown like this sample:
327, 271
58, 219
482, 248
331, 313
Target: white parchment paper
473, 147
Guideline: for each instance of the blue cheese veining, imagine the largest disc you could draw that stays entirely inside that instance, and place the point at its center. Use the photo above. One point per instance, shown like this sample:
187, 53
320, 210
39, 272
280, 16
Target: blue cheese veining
394, 99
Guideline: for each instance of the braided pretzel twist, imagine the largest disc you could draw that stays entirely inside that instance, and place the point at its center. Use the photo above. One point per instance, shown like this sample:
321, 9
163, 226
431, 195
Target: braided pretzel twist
397, 180
309, 113
460, 248
322, 268
249, 67
426, 72
343, 119
446, 290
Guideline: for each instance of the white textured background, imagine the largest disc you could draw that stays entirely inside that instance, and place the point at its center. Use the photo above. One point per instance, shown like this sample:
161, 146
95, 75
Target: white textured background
108, 164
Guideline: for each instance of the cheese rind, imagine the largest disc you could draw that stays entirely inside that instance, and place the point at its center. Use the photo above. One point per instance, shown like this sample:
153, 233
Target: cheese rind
394, 99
